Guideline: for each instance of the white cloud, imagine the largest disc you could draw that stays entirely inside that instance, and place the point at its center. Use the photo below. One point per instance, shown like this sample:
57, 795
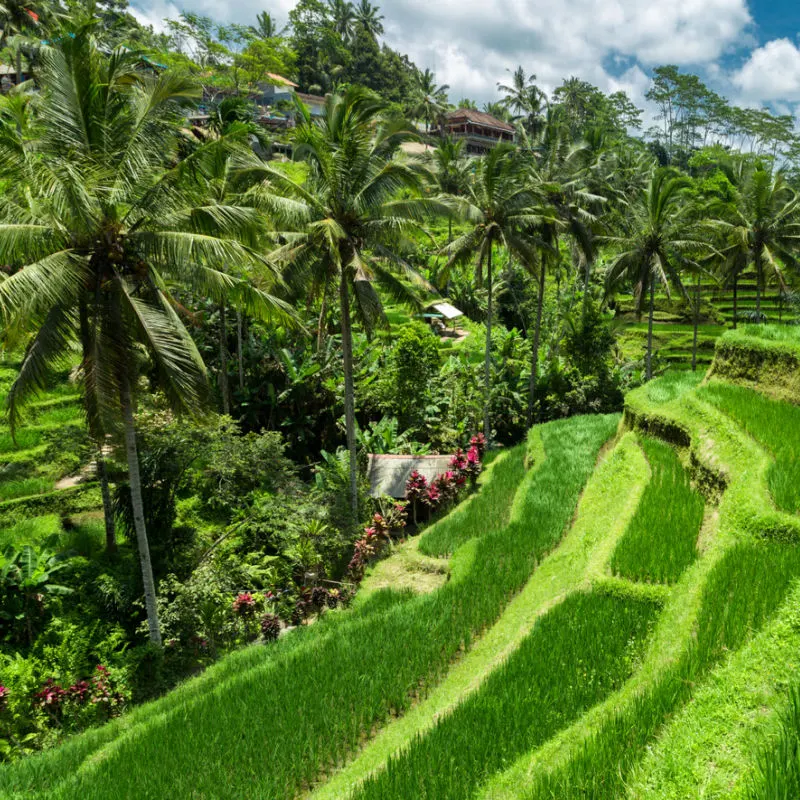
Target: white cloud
471, 43
771, 73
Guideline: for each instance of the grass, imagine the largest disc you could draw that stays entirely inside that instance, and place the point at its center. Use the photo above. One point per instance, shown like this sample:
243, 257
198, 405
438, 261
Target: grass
483, 512
577, 654
606, 506
34, 530
25, 439
742, 592
318, 709
671, 386
661, 540
774, 424
11, 490
777, 776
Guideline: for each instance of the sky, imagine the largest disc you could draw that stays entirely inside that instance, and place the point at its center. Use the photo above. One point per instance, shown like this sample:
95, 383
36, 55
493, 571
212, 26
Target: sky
747, 51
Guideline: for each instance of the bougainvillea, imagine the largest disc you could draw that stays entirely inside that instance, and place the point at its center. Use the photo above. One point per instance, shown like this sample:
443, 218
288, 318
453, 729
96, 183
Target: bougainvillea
4, 693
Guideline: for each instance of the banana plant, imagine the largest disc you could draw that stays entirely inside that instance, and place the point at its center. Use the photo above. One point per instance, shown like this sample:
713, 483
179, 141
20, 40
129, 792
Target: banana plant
26, 578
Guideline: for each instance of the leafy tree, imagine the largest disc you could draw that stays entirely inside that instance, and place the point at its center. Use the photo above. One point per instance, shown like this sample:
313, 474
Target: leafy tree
103, 227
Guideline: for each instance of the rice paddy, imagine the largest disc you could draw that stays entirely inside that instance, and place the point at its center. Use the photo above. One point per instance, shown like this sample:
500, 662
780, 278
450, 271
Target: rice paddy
577, 654
594, 699
774, 424
661, 540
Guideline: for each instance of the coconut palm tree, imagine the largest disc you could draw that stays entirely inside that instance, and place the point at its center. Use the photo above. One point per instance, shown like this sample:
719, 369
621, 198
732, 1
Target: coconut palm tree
104, 225
450, 170
525, 99
657, 237
266, 27
761, 229
368, 17
430, 99
499, 206
343, 17
347, 219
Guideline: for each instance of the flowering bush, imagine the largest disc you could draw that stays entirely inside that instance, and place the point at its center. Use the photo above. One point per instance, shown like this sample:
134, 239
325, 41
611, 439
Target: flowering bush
244, 605
3, 697
478, 441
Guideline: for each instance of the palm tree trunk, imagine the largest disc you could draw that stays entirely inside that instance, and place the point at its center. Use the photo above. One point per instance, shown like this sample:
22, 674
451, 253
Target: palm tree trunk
586, 278
323, 313
537, 332
138, 513
349, 391
19, 65
239, 348
649, 367
223, 360
105, 493
487, 357
696, 322
735, 299
758, 288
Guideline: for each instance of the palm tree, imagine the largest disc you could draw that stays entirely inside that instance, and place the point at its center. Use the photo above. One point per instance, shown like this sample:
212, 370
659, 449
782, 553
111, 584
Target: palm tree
266, 27
499, 206
430, 99
343, 16
104, 224
450, 171
657, 235
17, 17
525, 99
367, 16
565, 206
762, 229
348, 219
498, 109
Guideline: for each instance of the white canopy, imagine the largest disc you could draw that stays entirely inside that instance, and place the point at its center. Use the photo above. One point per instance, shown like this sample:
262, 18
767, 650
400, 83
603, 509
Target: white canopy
448, 311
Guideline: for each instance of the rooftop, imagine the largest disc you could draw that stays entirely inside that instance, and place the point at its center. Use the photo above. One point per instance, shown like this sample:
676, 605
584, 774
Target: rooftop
478, 118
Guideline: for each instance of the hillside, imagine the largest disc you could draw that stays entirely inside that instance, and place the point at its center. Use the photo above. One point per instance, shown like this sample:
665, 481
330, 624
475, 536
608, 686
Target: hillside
618, 620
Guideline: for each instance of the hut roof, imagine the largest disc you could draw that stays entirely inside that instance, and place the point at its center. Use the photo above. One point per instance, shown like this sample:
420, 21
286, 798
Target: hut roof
388, 473
478, 118
448, 311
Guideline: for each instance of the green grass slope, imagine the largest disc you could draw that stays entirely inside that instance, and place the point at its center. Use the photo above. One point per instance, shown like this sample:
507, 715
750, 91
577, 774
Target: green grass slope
218, 742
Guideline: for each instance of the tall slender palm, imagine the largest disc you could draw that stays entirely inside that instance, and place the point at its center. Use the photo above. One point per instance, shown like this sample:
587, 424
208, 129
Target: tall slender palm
266, 27
499, 206
762, 228
566, 207
343, 17
525, 99
430, 99
657, 236
450, 171
100, 230
348, 219
369, 18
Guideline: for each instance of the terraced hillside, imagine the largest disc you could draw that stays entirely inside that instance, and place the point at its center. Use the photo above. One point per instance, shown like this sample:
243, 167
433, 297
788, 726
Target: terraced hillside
43, 470
615, 616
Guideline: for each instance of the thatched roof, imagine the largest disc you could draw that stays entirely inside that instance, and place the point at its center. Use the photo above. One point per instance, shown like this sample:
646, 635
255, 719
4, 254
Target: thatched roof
388, 474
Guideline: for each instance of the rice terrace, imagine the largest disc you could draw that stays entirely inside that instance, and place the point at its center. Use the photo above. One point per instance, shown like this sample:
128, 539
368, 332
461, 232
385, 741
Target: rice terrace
360, 442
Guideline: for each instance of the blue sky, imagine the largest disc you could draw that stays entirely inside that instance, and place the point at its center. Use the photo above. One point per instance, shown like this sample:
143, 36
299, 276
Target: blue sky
746, 50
